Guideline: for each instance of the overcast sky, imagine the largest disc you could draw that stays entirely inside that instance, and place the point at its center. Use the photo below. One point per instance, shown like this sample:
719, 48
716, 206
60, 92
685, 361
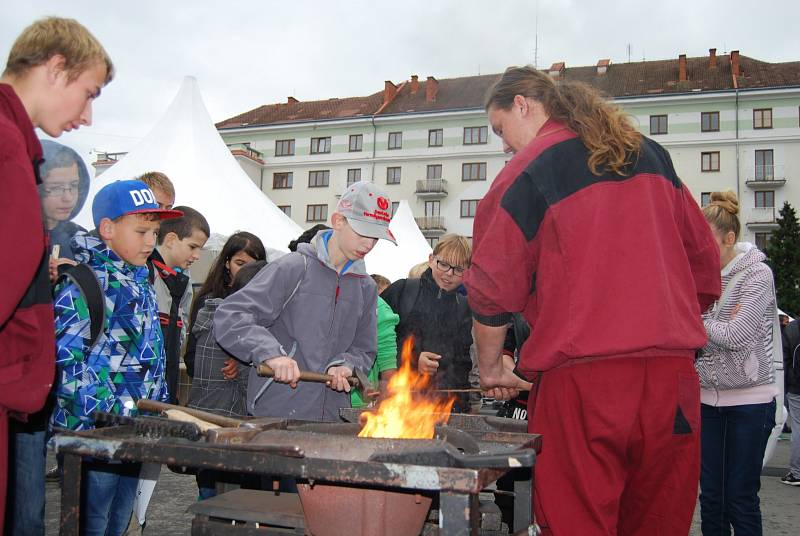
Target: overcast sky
245, 54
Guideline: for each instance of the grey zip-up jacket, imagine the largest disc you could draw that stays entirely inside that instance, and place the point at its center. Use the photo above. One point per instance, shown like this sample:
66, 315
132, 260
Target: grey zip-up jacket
299, 306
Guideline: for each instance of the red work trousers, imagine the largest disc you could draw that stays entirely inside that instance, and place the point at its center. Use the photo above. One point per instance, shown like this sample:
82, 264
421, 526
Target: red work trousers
621, 447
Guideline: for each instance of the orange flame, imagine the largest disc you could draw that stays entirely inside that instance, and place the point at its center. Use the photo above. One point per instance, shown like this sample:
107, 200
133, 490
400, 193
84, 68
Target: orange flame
406, 412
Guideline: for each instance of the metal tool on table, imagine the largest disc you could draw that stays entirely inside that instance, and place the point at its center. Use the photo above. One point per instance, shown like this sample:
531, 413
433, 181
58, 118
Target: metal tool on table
359, 380
154, 406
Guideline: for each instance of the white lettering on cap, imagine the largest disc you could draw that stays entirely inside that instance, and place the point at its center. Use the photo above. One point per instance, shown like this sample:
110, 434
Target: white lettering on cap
140, 197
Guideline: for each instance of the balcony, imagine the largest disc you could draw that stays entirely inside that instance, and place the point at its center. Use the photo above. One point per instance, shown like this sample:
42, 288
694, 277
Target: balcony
766, 177
761, 218
431, 225
431, 188
244, 150
108, 158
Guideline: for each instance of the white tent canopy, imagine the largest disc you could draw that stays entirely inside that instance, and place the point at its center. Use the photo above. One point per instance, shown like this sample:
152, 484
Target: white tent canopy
187, 147
392, 261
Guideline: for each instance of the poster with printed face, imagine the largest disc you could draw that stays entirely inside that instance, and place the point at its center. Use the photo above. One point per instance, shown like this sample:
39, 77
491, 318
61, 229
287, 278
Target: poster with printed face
63, 190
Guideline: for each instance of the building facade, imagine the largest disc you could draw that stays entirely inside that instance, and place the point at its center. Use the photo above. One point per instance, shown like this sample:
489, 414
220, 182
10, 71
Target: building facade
728, 121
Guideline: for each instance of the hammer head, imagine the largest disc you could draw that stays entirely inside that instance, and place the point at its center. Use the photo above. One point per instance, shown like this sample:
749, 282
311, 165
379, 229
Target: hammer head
368, 389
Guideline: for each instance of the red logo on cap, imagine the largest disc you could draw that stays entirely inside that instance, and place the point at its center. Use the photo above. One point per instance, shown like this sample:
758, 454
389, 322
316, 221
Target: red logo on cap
383, 203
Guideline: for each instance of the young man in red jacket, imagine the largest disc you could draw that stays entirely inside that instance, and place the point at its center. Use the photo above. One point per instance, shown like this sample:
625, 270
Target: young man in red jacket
590, 234
54, 72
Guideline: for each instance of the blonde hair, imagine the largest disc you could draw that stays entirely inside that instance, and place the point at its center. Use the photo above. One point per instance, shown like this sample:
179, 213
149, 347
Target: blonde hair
381, 281
417, 270
612, 140
156, 179
454, 249
723, 212
52, 36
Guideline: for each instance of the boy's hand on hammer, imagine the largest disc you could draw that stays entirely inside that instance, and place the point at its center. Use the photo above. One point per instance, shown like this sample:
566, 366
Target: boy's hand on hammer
286, 370
340, 378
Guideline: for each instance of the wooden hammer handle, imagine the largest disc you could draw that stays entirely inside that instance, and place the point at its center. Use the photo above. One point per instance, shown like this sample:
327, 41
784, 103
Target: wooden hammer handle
306, 376
154, 406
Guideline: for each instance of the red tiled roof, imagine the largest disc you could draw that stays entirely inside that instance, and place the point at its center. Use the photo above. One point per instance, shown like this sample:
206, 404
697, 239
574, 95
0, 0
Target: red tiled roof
634, 79
306, 111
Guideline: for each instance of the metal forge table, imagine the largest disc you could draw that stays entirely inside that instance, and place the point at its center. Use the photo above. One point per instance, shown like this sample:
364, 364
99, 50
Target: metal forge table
467, 455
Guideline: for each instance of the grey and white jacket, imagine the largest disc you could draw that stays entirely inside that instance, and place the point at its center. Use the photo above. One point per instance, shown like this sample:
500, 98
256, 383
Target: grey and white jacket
736, 364
299, 306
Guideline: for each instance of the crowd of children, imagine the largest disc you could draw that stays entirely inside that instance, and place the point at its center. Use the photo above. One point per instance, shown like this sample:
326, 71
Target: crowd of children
123, 309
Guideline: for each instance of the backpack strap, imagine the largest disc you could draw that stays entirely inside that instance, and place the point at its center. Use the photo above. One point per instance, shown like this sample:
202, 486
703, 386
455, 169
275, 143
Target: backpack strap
84, 278
408, 298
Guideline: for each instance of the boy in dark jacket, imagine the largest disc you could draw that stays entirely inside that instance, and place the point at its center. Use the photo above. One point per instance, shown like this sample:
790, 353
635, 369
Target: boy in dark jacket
433, 311
179, 243
54, 72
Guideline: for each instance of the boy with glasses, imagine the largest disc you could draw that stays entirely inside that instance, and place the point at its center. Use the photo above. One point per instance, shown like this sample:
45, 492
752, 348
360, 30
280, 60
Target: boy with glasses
436, 314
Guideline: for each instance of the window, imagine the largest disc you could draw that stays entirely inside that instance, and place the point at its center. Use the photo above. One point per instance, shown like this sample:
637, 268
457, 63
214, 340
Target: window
356, 143
658, 124
434, 172
393, 175
433, 240
284, 147
709, 161
395, 206
435, 137
316, 212
765, 169
353, 176
286, 209
318, 179
468, 208
432, 208
762, 240
282, 180
395, 140
473, 172
709, 122
705, 199
320, 145
475, 135
762, 118
765, 199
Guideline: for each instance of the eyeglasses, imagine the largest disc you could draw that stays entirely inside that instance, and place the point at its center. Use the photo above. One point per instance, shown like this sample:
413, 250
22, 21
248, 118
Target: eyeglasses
446, 267
55, 191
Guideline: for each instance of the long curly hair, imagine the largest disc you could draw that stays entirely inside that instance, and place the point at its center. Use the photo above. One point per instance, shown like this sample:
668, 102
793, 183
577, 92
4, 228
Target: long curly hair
612, 140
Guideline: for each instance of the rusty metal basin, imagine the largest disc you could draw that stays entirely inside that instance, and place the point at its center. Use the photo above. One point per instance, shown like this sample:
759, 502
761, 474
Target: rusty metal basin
332, 510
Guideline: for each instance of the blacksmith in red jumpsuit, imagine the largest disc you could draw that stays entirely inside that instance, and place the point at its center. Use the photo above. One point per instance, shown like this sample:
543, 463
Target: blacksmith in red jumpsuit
591, 234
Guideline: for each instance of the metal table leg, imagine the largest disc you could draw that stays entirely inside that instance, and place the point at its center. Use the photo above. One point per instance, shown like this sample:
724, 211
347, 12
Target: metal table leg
458, 514
71, 496
523, 498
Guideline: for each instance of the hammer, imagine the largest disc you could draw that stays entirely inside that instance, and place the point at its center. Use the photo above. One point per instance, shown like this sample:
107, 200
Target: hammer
358, 380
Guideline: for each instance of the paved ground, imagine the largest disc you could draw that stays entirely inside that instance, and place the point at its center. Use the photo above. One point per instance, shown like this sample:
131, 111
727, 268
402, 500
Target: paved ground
174, 493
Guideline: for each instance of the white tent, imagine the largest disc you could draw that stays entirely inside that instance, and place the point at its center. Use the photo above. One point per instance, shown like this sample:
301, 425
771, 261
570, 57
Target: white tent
187, 147
393, 261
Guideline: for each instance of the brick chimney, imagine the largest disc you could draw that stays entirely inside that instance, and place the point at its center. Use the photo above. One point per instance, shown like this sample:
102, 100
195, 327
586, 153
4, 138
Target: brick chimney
712, 58
414, 83
431, 89
682, 68
602, 66
735, 63
291, 100
557, 69
389, 91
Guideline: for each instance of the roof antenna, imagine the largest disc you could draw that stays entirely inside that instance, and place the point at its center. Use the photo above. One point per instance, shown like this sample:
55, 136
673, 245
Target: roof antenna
536, 40
629, 52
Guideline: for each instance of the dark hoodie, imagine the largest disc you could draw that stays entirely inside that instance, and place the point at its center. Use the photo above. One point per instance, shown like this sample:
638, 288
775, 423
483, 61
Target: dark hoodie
56, 156
441, 323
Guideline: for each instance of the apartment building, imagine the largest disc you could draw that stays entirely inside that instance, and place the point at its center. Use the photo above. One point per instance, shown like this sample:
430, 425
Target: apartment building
729, 122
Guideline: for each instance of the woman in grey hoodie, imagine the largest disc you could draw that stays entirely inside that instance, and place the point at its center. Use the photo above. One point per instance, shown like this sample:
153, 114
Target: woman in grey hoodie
737, 379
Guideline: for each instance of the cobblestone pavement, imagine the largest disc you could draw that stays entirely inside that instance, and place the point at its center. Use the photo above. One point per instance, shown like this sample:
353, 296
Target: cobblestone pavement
167, 515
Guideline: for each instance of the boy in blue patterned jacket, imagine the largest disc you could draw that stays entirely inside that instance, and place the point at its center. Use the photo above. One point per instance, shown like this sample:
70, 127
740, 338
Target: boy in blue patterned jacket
127, 361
